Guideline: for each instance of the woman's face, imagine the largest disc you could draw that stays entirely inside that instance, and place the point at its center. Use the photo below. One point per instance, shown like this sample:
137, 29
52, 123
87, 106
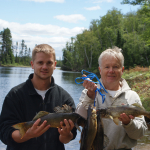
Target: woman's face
111, 72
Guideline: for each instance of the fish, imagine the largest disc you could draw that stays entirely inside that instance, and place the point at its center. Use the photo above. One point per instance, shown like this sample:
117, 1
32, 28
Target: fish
53, 119
89, 130
114, 112
101, 140
65, 109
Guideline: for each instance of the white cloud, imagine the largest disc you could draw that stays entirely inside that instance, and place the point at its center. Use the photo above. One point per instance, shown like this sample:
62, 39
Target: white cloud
39, 29
55, 36
42, 1
93, 8
100, 1
70, 18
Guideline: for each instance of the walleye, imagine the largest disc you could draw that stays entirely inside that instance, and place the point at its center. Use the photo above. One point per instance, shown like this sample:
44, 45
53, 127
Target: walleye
114, 112
89, 131
101, 140
53, 119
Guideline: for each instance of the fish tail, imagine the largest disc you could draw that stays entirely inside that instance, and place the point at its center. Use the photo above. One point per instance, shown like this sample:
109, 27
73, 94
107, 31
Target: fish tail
76, 125
22, 127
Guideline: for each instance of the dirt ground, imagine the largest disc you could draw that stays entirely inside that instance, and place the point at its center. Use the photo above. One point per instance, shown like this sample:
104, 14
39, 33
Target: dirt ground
143, 143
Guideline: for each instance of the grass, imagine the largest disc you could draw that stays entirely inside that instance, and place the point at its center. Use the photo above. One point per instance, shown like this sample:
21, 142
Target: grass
138, 79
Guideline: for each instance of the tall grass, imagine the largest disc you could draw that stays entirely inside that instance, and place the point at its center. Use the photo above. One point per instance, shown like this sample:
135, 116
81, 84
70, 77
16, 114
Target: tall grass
138, 79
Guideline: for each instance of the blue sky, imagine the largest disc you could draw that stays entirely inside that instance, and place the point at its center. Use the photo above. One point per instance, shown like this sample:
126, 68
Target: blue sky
53, 22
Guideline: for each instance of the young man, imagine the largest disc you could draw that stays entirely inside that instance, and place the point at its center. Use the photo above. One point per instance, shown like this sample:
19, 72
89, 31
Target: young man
38, 93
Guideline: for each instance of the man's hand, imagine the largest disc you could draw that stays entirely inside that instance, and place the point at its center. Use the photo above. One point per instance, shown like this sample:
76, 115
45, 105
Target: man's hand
125, 119
34, 131
65, 131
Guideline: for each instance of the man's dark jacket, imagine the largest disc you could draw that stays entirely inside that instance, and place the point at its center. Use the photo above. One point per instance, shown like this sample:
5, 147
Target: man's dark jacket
21, 104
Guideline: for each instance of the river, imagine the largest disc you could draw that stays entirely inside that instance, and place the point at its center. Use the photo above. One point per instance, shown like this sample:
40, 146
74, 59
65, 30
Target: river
12, 76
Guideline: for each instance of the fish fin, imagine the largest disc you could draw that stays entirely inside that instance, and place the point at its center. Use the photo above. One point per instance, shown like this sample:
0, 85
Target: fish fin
22, 128
77, 127
80, 141
138, 105
64, 109
58, 109
106, 141
116, 120
40, 114
110, 117
67, 108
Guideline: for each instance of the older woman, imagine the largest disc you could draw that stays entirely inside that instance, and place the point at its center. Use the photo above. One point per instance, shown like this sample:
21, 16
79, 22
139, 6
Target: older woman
111, 66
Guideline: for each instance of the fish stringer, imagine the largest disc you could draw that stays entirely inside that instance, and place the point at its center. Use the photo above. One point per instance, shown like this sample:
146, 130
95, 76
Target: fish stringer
92, 76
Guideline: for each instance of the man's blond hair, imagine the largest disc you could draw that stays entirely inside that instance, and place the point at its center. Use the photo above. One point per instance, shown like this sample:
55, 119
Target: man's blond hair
45, 48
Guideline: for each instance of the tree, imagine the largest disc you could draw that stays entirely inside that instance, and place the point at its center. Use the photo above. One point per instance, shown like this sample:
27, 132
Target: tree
134, 2
130, 32
0, 48
7, 50
8, 61
21, 53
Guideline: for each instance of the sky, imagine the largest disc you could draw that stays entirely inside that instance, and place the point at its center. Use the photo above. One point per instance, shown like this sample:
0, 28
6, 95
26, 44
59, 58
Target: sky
53, 22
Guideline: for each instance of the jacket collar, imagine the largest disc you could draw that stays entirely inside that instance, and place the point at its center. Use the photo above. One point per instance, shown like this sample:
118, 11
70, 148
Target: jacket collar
123, 83
32, 90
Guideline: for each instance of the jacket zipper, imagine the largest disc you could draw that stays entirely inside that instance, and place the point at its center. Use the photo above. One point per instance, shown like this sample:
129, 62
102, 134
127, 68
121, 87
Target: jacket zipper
44, 108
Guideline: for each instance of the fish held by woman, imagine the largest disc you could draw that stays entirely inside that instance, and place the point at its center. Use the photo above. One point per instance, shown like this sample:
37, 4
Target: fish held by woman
114, 112
89, 131
53, 119
101, 140
92, 136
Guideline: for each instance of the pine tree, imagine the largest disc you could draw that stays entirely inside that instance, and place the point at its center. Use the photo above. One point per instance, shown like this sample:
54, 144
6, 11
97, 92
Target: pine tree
8, 61
119, 40
21, 54
0, 48
7, 50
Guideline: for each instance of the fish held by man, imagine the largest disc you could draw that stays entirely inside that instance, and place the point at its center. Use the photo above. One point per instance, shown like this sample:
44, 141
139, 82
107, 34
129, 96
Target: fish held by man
90, 129
114, 112
53, 119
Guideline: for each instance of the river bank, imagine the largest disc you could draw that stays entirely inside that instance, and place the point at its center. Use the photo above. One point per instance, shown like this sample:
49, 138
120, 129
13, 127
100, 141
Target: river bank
14, 65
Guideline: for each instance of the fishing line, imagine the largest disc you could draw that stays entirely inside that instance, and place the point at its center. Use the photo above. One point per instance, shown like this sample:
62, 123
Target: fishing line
92, 76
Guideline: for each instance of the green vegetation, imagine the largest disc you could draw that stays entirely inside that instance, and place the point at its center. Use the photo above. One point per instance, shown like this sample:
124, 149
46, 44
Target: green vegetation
15, 55
138, 79
130, 32
9, 53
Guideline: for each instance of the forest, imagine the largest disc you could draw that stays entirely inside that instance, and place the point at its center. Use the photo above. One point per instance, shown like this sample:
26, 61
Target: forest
130, 32
13, 55
17, 54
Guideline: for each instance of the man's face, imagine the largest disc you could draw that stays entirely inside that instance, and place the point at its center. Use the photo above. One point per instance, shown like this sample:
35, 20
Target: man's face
111, 72
43, 65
